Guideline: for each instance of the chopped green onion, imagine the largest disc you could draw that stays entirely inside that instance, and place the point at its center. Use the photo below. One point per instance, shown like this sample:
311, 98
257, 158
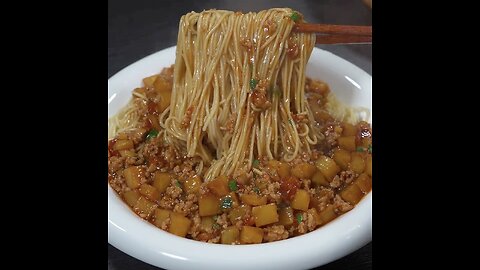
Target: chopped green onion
295, 16
256, 190
216, 226
227, 203
232, 185
360, 149
253, 83
370, 148
256, 163
299, 217
178, 184
152, 134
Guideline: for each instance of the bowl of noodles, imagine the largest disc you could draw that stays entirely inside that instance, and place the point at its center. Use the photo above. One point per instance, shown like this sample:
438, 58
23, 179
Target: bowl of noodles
241, 147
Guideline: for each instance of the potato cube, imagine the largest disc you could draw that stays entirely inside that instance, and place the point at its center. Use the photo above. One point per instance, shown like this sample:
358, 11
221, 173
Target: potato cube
328, 167
283, 169
253, 199
161, 181
301, 200
368, 167
179, 225
318, 179
144, 206
132, 176
230, 235
316, 216
209, 205
328, 214
131, 197
149, 191
123, 145
127, 153
148, 81
192, 184
352, 194
238, 213
206, 223
160, 216
357, 164
285, 216
251, 235
142, 91
164, 101
303, 170
364, 182
265, 214
347, 143
349, 130
161, 85
219, 186
342, 157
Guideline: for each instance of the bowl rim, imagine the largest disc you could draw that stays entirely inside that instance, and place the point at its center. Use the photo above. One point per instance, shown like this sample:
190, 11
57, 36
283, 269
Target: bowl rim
142, 240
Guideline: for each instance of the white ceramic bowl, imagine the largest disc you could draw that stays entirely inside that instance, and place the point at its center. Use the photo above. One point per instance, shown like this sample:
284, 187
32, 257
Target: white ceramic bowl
142, 240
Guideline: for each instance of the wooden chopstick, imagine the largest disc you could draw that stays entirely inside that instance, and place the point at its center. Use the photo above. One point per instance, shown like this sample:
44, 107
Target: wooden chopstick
337, 34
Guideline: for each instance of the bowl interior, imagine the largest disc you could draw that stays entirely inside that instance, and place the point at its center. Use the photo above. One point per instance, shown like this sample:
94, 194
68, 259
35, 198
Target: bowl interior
140, 239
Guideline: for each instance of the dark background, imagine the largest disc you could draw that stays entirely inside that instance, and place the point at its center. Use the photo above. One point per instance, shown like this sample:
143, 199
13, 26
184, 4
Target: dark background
138, 28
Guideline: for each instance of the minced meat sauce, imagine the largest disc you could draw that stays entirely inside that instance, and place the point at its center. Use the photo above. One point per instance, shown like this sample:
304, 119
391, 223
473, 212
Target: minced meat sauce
274, 201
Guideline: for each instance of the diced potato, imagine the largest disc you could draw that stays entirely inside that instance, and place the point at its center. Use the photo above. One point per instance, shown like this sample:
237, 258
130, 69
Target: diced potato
251, 235
303, 170
207, 223
132, 176
349, 130
285, 216
265, 214
347, 143
179, 225
142, 91
164, 101
357, 164
161, 181
123, 145
368, 167
127, 153
219, 186
238, 213
209, 205
253, 199
364, 182
161, 85
149, 191
318, 179
131, 197
229, 235
328, 167
327, 214
234, 197
352, 194
342, 157
192, 184
144, 206
283, 169
160, 216
148, 81
301, 200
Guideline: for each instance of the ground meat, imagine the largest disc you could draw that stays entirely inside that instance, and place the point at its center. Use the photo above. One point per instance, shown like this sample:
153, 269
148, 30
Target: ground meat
331, 136
310, 220
138, 135
274, 233
247, 43
187, 206
188, 117
273, 192
269, 27
306, 183
117, 182
166, 203
222, 220
344, 177
134, 161
342, 205
302, 227
165, 224
214, 240
115, 164
173, 191
323, 197
195, 228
